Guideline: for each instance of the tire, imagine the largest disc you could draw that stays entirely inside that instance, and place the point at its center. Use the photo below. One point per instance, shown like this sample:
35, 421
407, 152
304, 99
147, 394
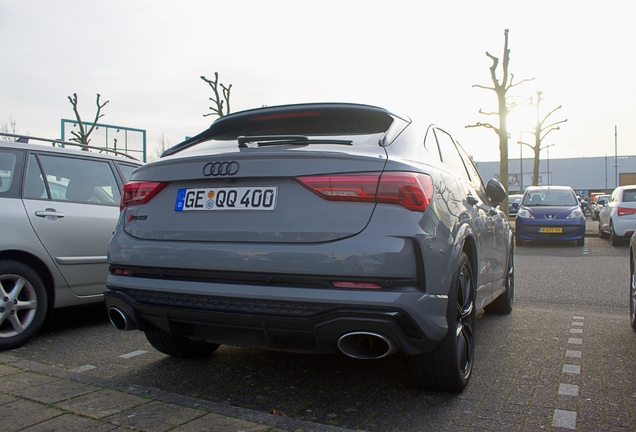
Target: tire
602, 234
181, 347
632, 292
503, 304
614, 239
23, 304
518, 241
581, 241
449, 366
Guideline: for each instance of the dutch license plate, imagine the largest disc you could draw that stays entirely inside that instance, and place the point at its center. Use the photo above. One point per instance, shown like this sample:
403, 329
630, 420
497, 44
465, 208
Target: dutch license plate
227, 199
550, 230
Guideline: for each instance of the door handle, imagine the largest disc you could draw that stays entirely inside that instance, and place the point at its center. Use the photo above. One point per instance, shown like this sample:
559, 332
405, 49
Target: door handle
49, 212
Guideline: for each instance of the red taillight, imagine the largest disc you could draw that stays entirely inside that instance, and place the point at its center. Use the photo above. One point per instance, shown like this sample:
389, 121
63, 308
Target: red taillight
413, 191
624, 211
120, 271
139, 192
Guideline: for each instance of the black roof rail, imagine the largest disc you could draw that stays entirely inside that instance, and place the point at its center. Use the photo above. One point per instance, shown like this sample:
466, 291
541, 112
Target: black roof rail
26, 138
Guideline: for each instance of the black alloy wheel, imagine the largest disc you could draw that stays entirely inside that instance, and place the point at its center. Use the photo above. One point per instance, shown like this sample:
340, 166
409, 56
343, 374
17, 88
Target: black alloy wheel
632, 292
449, 366
503, 304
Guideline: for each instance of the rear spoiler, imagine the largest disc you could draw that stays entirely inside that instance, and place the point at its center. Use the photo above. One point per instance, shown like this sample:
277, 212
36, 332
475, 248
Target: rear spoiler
302, 119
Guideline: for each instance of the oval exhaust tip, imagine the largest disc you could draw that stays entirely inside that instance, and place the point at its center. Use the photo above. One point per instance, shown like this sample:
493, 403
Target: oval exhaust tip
366, 345
118, 319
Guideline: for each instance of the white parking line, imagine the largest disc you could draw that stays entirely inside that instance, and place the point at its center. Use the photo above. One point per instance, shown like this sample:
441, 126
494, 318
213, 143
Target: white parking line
575, 341
564, 419
577, 323
573, 353
571, 369
577, 331
578, 317
568, 389
132, 354
84, 368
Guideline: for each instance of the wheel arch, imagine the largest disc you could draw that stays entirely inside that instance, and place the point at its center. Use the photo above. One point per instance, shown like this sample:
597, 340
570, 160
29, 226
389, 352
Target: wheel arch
38, 266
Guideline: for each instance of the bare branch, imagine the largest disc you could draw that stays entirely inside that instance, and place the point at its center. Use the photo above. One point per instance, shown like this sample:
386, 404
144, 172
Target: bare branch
82, 136
487, 113
547, 132
218, 101
483, 87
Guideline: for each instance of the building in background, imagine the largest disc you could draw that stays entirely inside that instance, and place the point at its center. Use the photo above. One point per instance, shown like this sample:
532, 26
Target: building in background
585, 175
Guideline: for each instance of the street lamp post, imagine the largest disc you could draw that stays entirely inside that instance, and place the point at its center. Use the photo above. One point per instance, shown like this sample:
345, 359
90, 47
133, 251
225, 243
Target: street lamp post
548, 150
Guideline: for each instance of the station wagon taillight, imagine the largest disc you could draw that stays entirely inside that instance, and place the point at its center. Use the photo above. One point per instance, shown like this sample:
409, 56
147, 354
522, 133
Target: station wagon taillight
413, 191
624, 211
140, 192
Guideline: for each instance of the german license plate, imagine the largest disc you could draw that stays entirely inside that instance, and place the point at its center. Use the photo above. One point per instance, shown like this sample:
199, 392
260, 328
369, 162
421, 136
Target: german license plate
550, 230
227, 199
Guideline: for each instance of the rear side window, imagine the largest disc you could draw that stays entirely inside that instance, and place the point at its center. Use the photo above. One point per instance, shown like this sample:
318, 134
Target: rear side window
11, 162
71, 179
629, 195
127, 170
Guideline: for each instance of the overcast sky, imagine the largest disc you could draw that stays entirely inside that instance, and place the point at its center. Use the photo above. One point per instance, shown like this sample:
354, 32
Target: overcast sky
420, 58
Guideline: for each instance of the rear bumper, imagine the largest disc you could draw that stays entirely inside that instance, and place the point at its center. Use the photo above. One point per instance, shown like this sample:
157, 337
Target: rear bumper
624, 227
303, 320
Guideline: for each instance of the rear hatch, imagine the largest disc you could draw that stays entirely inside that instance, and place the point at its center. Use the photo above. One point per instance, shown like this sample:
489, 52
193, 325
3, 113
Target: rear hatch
301, 174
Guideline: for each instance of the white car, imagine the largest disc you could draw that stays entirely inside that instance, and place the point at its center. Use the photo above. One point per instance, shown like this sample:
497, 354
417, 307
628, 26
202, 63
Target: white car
58, 208
617, 219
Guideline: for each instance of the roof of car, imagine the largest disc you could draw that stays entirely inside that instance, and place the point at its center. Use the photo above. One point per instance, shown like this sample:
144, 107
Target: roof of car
76, 151
540, 188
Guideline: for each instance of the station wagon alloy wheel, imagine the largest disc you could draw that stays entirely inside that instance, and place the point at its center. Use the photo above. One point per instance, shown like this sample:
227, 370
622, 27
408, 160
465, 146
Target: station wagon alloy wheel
22, 305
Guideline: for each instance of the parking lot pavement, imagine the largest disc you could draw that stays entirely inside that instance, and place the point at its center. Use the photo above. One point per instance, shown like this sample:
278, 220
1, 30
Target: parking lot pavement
39, 397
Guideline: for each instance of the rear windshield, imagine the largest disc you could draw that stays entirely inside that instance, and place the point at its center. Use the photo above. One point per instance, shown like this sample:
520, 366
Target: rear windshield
550, 198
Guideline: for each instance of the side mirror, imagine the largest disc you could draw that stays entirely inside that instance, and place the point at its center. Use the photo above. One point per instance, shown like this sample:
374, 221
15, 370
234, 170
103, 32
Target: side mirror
495, 191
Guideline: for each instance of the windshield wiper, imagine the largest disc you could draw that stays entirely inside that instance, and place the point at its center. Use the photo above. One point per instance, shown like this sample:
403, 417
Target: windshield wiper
274, 140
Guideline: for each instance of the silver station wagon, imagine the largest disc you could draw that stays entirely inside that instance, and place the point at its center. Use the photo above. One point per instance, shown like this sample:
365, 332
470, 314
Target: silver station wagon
58, 208
314, 228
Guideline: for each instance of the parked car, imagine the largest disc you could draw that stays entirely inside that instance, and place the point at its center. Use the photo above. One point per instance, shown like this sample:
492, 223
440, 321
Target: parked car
597, 205
632, 281
513, 205
550, 213
617, 219
58, 208
362, 232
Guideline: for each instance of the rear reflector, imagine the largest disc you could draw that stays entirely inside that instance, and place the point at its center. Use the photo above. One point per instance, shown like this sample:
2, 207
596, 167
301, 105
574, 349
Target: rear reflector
120, 271
413, 191
359, 285
140, 192
624, 211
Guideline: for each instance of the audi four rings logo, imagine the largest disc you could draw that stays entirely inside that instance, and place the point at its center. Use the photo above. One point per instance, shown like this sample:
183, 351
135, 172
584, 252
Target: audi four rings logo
220, 169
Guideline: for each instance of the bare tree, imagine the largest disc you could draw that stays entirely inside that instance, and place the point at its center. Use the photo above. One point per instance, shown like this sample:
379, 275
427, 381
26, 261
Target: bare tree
82, 136
505, 106
541, 130
218, 101
163, 144
10, 127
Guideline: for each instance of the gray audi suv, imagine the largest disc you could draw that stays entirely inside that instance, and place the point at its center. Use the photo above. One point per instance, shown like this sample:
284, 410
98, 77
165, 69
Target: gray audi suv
314, 228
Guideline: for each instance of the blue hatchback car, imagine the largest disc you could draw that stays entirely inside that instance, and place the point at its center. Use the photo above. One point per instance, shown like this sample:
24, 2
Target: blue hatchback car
550, 213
